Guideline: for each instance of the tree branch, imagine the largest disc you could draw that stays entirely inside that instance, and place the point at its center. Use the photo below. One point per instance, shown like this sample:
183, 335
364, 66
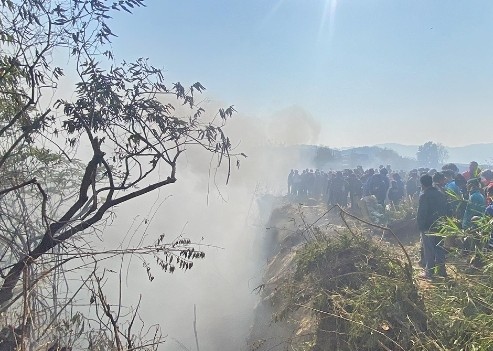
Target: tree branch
15, 187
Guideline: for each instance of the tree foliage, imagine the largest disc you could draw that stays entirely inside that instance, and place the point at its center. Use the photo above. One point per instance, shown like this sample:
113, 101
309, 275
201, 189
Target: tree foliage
431, 154
131, 119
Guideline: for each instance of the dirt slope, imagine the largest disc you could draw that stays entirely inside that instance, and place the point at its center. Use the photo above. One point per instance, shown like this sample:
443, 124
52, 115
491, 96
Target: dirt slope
285, 318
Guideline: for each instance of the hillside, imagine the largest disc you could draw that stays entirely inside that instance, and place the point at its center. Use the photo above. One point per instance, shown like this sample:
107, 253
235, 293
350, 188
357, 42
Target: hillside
333, 282
397, 155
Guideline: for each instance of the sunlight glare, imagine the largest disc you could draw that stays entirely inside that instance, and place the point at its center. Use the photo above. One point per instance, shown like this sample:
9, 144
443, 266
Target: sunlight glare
328, 14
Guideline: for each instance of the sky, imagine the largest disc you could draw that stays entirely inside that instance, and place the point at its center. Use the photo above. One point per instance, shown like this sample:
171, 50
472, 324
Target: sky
366, 71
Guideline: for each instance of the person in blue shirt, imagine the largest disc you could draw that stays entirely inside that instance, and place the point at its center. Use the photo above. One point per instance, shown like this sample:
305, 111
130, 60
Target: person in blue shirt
451, 187
476, 204
454, 194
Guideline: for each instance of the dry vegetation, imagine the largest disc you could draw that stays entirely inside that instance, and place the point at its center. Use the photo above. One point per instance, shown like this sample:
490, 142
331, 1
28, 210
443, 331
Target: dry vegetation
356, 289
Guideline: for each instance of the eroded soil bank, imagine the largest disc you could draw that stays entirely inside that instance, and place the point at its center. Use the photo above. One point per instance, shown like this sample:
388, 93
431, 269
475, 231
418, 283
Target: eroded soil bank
320, 264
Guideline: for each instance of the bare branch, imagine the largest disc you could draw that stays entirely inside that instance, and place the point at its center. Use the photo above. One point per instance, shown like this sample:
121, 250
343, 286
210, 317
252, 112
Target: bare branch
18, 186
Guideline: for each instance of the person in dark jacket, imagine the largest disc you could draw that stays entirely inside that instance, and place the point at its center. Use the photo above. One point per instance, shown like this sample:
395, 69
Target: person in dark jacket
365, 179
412, 184
378, 185
394, 194
355, 189
399, 189
337, 190
432, 206
290, 182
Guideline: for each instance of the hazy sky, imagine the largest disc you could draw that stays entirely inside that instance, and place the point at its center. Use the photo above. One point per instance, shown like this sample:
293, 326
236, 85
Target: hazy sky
366, 71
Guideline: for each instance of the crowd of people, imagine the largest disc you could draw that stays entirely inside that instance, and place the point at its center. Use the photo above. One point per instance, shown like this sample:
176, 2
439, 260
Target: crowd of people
446, 192
468, 197
347, 186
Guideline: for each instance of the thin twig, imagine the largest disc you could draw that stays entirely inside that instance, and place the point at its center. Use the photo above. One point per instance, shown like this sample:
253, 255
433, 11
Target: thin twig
387, 229
195, 326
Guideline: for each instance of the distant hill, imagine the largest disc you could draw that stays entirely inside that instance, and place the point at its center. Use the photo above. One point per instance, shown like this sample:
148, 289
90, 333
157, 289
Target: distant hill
403, 150
397, 155
320, 157
482, 153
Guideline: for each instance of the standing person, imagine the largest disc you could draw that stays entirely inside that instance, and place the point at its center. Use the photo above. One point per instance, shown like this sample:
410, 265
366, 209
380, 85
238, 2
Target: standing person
319, 184
290, 182
304, 183
487, 175
451, 167
461, 183
439, 181
489, 196
432, 206
473, 172
355, 190
365, 179
310, 183
412, 183
379, 184
296, 186
337, 189
451, 186
394, 194
400, 186
454, 194
476, 204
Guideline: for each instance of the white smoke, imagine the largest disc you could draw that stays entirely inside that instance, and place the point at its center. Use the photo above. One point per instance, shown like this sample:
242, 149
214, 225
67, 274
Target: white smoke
201, 207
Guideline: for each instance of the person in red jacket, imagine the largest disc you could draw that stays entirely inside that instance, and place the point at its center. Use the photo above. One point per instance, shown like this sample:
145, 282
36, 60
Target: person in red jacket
473, 172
